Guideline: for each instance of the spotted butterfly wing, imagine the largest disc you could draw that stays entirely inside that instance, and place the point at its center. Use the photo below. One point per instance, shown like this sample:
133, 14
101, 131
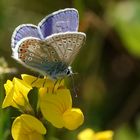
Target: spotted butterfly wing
31, 53
22, 31
66, 45
60, 21
51, 56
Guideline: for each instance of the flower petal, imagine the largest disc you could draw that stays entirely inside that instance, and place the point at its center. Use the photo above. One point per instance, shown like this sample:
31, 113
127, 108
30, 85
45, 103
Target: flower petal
104, 135
27, 127
40, 82
73, 118
8, 86
54, 105
87, 134
8, 100
21, 89
16, 93
35, 136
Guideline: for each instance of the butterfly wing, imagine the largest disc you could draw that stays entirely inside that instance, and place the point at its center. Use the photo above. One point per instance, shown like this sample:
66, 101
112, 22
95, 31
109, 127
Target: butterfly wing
60, 21
35, 54
22, 31
66, 45
51, 56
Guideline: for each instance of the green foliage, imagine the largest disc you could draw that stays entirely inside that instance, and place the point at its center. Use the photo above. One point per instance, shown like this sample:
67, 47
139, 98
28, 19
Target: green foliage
126, 17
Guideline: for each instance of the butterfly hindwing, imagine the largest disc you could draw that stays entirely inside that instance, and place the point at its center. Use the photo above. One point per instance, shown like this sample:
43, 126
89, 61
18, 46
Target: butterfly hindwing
66, 45
36, 54
22, 31
60, 21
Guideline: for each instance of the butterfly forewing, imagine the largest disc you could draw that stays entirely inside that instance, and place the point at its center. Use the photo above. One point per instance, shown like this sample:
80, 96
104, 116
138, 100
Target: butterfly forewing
22, 31
61, 21
66, 45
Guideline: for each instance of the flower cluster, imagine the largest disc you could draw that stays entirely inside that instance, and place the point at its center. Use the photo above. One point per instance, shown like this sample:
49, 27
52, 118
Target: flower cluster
54, 103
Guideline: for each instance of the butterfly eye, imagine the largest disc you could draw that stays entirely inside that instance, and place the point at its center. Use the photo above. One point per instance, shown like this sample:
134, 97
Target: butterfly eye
68, 72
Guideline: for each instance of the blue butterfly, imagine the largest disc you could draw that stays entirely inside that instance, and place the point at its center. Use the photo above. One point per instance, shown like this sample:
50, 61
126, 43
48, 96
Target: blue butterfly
50, 47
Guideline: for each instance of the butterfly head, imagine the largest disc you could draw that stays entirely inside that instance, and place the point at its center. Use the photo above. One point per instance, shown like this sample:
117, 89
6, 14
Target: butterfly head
61, 73
68, 71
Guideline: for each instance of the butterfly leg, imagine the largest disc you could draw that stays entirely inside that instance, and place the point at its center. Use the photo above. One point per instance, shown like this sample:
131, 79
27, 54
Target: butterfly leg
60, 81
35, 79
53, 90
44, 81
55, 84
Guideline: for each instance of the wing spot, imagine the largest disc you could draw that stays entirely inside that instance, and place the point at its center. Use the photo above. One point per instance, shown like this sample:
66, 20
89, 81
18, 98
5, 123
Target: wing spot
64, 41
52, 52
37, 46
22, 57
30, 58
70, 49
31, 54
22, 50
55, 60
60, 45
69, 41
77, 44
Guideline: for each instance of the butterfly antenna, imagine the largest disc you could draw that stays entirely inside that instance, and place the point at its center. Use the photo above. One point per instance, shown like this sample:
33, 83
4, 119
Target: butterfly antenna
75, 93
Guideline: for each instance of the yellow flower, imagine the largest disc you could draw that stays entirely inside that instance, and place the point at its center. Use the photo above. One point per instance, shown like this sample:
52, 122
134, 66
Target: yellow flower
16, 94
54, 100
89, 134
42, 82
104, 135
56, 103
57, 108
27, 127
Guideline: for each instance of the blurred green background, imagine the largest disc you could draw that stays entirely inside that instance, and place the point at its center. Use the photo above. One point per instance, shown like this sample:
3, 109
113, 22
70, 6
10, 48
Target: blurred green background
108, 83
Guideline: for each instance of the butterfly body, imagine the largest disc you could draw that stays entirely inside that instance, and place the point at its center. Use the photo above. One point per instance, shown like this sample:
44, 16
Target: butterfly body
50, 47
57, 70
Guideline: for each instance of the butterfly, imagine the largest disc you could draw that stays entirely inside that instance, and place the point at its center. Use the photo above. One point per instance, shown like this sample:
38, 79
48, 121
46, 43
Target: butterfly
50, 47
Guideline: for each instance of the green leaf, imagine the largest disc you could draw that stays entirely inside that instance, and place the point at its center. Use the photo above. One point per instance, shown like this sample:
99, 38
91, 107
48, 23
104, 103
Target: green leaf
125, 17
